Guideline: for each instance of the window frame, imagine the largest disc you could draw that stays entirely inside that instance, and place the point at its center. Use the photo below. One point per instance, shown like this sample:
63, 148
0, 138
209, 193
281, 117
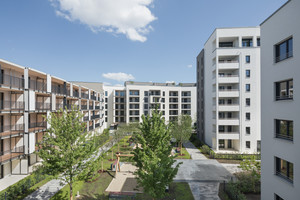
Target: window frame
288, 96
277, 54
279, 170
287, 135
247, 58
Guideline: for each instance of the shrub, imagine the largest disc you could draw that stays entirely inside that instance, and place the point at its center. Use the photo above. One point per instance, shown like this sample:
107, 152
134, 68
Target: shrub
232, 190
205, 149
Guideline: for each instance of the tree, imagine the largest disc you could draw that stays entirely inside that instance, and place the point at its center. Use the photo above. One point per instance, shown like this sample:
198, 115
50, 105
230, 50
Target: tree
67, 149
182, 129
152, 156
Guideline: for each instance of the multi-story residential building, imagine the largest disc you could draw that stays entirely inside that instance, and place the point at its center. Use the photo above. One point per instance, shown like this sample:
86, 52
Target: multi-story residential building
127, 104
280, 115
27, 96
228, 86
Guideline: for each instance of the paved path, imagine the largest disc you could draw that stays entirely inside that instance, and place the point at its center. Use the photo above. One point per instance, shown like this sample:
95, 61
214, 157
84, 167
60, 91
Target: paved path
10, 180
193, 151
203, 175
52, 187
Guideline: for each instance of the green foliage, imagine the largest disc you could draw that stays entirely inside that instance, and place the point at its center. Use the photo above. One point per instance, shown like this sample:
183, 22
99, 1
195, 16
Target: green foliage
123, 130
234, 156
182, 129
205, 149
24, 186
67, 148
152, 156
248, 184
195, 140
232, 190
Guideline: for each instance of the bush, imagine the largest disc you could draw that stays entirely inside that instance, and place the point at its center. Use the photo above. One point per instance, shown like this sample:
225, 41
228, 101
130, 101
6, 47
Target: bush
247, 183
235, 156
205, 149
232, 190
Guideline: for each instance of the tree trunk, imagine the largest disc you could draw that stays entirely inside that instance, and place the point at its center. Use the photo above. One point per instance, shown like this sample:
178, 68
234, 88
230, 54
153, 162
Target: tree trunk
181, 148
102, 165
71, 191
112, 154
118, 148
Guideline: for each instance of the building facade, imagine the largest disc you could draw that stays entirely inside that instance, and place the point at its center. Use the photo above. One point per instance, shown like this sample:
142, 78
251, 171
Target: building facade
127, 104
280, 74
228, 86
27, 96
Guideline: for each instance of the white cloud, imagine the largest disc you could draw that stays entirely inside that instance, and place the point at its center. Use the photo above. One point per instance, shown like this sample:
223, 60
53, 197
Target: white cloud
129, 17
118, 76
189, 66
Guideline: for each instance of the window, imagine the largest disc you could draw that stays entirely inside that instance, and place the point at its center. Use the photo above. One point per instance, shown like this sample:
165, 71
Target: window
145, 93
145, 112
134, 92
284, 169
284, 129
258, 42
248, 130
258, 146
146, 100
284, 50
276, 197
225, 44
247, 116
106, 100
284, 90
116, 93
163, 93
247, 59
122, 93
247, 87
248, 144
106, 93
247, 101
221, 144
145, 106
222, 129
247, 43
247, 73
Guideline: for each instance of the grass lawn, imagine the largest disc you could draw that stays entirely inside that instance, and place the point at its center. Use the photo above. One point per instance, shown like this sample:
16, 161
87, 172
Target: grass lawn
177, 190
185, 155
88, 190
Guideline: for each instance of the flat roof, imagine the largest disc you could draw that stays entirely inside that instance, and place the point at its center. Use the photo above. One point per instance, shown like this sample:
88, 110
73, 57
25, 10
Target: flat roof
159, 84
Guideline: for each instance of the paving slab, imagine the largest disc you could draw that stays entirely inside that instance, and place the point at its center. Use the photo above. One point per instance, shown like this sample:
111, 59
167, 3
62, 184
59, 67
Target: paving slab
194, 151
205, 191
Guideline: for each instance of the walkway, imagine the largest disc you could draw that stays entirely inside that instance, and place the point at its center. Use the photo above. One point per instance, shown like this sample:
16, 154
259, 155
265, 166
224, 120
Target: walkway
10, 180
52, 187
203, 175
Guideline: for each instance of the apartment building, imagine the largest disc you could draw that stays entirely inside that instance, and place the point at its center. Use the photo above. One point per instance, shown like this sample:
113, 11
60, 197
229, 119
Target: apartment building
280, 74
228, 89
127, 104
27, 96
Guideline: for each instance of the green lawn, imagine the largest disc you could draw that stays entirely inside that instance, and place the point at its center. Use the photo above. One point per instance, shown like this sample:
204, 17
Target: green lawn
177, 190
185, 154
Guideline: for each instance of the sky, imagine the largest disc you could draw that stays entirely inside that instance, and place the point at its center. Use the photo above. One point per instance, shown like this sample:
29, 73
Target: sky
112, 41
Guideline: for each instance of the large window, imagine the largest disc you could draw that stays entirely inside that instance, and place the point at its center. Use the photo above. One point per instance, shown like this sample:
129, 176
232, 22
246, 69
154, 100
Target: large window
247, 43
284, 90
284, 129
284, 169
284, 50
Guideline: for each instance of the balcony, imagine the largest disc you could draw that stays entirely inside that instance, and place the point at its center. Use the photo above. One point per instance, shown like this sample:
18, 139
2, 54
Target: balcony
75, 93
86, 118
97, 125
96, 116
229, 107
228, 64
11, 81
97, 107
38, 85
11, 105
11, 154
59, 106
229, 93
93, 97
37, 126
42, 106
58, 89
91, 127
91, 107
229, 135
228, 79
11, 130
84, 95
83, 107
229, 121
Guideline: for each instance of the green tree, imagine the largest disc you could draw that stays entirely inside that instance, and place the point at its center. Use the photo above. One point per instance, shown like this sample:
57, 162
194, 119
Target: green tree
67, 149
152, 156
182, 129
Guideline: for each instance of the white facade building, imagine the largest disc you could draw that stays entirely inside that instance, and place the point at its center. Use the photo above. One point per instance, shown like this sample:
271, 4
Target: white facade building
129, 103
280, 61
228, 83
26, 96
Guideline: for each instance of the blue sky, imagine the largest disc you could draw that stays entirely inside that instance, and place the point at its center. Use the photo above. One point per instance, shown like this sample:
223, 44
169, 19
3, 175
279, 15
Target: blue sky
142, 40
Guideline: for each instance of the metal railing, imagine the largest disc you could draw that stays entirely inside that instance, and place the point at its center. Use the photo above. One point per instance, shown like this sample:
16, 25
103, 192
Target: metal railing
12, 105
91, 107
86, 118
284, 56
285, 97
7, 130
59, 106
36, 126
286, 137
75, 93
12, 153
84, 95
83, 107
42, 106
228, 75
228, 61
58, 89
91, 127
97, 107
93, 97
97, 125
228, 90
38, 85
11, 81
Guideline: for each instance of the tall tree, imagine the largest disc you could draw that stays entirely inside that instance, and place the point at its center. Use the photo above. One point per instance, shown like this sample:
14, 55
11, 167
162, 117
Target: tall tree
152, 156
182, 129
67, 149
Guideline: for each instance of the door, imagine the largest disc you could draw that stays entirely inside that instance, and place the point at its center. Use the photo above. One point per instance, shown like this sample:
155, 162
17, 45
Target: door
229, 144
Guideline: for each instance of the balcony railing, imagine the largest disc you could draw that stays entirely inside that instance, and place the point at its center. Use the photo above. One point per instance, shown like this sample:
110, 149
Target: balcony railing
75, 93
68, 92
228, 75
83, 107
286, 137
58, 89
42, 106
84, 95
12, 105
11, 154
228, 61
284, 56
97, 107
229, 104
11, 81
96, 116
91, 107
37, 126
38, 85
228, 90
97, 125
93, 97
91, 128
86, 118
284, 97
59, 106
8, 130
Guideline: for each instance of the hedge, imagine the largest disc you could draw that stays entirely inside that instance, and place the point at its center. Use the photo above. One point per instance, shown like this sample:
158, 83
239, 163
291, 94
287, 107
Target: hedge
232, 190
